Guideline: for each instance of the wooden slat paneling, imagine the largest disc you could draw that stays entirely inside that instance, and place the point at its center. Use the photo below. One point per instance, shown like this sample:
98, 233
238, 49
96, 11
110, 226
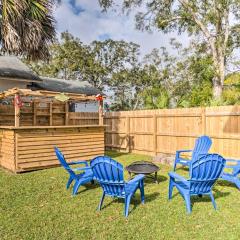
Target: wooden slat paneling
36, 150
30, 149
175, 129
7, 149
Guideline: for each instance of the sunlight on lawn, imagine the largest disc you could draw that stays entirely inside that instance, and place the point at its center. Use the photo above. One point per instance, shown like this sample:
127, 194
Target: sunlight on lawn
36, 205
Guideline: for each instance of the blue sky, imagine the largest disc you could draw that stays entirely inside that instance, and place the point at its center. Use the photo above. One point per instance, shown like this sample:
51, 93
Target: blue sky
84, 19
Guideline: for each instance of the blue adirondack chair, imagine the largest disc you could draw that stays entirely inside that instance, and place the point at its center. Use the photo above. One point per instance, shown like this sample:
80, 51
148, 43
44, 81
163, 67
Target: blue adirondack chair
109, 174
234, 176
204, 171
82, 178
202, 146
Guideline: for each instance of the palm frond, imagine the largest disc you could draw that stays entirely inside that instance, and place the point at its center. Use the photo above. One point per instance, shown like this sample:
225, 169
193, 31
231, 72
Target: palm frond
27, 27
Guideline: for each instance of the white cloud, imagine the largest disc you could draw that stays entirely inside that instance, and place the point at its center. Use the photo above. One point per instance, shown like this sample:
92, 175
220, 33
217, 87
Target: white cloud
90, 24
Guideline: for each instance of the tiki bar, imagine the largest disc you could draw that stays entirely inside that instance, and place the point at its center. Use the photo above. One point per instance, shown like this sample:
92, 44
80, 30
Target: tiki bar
35, 119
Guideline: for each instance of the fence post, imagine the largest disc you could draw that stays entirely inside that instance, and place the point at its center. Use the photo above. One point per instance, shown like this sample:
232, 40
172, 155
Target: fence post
34, 113
66, 113
155, 134
128, 148
51, 114
17, 111
100, 112
203, 115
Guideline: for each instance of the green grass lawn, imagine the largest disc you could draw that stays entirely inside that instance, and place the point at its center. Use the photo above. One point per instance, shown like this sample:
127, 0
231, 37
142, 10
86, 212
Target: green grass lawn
36, 205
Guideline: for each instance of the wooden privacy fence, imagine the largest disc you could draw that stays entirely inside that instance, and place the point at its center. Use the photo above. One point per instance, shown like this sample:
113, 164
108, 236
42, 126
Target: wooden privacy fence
164, 131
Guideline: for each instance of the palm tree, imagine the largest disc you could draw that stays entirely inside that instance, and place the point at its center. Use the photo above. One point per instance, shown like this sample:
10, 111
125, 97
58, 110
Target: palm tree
27, 27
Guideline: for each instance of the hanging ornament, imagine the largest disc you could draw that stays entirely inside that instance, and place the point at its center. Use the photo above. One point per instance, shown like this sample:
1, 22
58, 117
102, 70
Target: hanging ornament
17, 101
62, 97
99, 97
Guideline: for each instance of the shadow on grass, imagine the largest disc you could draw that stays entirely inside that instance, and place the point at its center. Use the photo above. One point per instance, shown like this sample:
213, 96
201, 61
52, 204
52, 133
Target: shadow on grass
148, 198
135, 201
115, 154
205, 198
216, 193
182, 168
87, 187
224, 183
160, 179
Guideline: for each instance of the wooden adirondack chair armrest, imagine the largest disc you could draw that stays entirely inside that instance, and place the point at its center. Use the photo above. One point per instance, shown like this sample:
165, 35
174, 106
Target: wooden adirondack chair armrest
178, 177
78, 162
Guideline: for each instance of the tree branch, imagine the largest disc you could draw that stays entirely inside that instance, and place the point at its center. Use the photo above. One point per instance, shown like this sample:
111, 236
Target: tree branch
227, 32
204, 29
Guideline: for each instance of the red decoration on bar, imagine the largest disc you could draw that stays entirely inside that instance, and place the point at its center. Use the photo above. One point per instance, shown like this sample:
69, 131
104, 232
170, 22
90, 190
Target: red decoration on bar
17, 101
99, 97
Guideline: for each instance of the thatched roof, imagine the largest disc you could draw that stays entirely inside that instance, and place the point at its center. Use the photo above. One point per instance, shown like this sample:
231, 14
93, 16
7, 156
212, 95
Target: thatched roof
11, 68
67, 86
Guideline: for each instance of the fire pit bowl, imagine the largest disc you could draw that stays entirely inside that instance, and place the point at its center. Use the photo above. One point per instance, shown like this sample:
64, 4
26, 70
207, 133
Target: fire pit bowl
143, 167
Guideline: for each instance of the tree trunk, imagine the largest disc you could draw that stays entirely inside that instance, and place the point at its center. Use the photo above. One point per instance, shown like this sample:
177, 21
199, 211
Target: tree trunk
218, 80
217, 88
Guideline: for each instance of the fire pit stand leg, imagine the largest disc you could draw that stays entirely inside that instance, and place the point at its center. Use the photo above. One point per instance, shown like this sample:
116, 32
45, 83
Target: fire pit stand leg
156, 177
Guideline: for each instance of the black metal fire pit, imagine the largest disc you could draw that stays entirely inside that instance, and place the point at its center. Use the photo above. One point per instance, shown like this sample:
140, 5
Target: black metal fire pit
143, 167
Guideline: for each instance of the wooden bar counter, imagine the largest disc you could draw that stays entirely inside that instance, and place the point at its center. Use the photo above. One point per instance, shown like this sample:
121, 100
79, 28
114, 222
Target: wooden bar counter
31, 147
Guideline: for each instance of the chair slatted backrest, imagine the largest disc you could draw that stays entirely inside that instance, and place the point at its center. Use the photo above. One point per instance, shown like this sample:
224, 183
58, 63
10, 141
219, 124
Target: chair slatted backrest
63, 162
202, 145
204, 171
109, 173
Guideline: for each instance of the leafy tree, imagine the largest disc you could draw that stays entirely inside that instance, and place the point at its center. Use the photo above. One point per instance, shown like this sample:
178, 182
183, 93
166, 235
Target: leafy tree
67, 58
195, 86
199, 96
27, 27
122, 91
179, 78
143, 86
155, 98
155, 80
126, 87
214, 22
96, 62
231, 93
160, 80
110, 57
